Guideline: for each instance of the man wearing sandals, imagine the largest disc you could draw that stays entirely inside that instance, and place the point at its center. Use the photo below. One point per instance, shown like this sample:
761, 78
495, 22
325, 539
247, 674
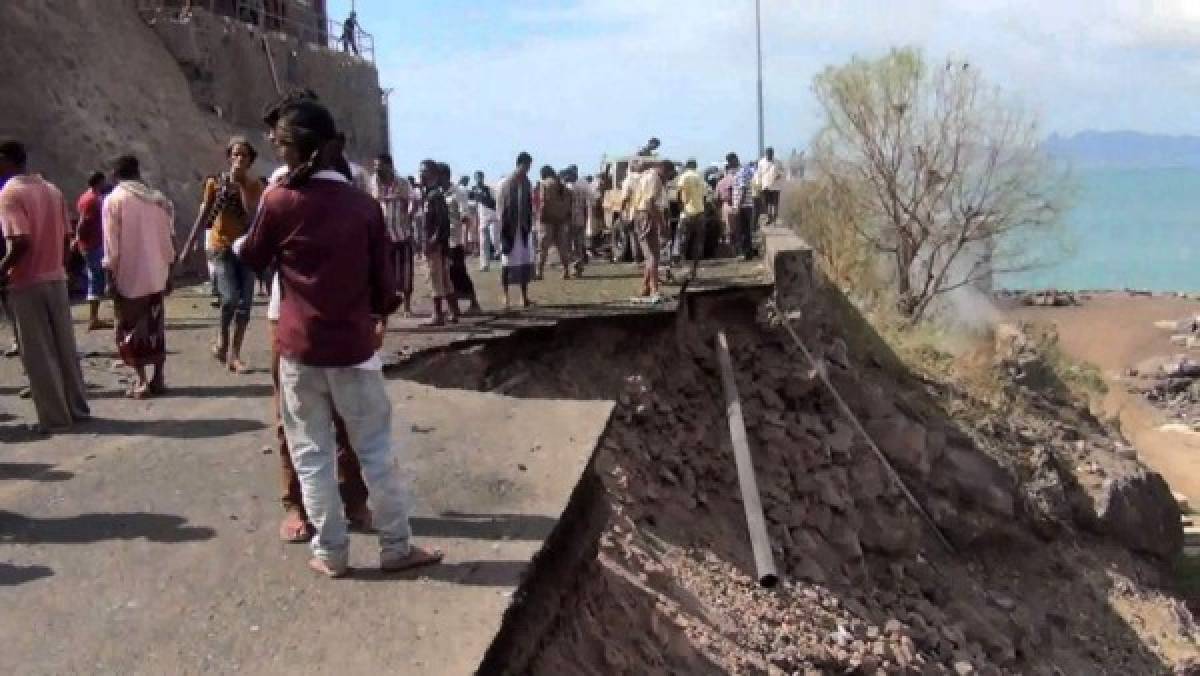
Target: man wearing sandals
337, 288
139, 224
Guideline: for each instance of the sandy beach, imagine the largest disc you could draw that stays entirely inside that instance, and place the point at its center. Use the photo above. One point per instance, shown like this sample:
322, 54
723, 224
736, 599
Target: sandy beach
1116, 331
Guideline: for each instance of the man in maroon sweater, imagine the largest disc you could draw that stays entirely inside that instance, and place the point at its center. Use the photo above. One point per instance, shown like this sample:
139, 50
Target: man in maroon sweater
337, 288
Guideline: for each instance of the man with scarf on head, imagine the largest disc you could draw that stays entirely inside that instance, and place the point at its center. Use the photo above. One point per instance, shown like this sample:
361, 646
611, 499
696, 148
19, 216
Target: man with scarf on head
337, 289
139, 250
515, 204
33, 218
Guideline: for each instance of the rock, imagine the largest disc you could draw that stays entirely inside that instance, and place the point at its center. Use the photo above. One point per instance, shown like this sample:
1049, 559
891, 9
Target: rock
887, 532
904, 442
1045, 496
963, 668
980, 479
1137, 508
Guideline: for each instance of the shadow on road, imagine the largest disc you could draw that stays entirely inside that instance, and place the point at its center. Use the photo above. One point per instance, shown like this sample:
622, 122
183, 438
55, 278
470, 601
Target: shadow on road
35, 471
11, 575
484, 526
195, 428
473, 573
84, 528
197, 392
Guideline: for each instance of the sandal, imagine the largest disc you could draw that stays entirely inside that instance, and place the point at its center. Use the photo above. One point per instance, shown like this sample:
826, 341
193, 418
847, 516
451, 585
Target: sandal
138, 392
416, 558
294, 528
237, 367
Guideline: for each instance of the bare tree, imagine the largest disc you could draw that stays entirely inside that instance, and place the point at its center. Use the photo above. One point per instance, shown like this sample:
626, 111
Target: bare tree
956, 185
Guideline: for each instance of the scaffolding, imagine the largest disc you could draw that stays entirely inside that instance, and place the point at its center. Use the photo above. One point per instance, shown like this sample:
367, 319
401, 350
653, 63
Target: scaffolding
304, 20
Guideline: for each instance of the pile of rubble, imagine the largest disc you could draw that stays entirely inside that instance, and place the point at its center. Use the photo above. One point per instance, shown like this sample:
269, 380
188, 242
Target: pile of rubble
1172, 383
1060, 536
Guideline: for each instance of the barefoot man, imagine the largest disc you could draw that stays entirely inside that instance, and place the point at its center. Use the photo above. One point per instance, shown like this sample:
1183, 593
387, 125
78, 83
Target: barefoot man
139, 222
337, 289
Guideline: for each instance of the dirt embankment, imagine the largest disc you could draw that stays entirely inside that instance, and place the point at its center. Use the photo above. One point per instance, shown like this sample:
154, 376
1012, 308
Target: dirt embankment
85, 82
1059, 542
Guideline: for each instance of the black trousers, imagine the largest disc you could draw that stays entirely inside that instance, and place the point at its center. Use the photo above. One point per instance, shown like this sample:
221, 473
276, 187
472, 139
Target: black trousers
463, 286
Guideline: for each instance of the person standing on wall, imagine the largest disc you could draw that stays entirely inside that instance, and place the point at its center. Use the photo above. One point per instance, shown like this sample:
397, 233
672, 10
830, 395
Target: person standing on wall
350, 34
89, 241
338, 289
649, 220
770, 177
581, 197
139, 227
743, 201
33, 218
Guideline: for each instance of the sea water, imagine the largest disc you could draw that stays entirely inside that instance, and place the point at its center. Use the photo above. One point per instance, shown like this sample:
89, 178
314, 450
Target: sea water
1126, 228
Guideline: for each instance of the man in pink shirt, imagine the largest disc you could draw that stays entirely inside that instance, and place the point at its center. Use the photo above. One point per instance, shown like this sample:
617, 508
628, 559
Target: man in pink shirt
33, 217
139, 224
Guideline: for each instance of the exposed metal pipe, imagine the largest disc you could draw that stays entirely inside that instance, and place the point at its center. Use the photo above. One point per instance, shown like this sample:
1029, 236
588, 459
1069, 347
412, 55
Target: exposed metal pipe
756, 523
819, 367
758, 49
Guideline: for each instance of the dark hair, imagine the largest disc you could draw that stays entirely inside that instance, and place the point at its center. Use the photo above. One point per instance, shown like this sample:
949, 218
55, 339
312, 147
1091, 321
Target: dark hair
13, 151
386, 159
691, 164
309, 128
272, 111
732, 159
464, 180
524, 158
444, 170
241, 141
548, 171
127, 168
95, 179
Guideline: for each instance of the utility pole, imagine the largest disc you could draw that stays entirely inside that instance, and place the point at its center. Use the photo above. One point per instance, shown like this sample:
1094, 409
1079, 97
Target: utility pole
758, 47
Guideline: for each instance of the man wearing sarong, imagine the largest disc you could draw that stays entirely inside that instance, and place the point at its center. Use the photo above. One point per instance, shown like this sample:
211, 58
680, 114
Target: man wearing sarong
33, 218
338, 288
515, 204
393, 194
139, 223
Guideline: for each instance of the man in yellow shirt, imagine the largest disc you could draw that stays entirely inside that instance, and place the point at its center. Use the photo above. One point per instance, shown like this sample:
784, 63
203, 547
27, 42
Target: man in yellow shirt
693, 192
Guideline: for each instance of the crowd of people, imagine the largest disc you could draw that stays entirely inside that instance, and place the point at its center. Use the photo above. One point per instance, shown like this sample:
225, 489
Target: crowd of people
338, 248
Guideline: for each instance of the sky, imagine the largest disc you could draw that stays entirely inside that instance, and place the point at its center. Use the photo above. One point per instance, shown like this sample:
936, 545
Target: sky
570, 80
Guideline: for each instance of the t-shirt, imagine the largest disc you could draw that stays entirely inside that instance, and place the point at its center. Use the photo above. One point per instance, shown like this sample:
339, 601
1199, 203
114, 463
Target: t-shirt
234, 218
35, 208
770, 174
394, 200
649, 193
692, 190
89, 231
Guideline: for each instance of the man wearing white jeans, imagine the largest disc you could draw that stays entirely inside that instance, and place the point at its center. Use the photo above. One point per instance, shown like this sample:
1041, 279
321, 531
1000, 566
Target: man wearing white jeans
336, 289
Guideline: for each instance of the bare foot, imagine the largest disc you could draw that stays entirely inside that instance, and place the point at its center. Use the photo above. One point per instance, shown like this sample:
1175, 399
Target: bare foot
416, 558
237, 366
293, 528
325, 568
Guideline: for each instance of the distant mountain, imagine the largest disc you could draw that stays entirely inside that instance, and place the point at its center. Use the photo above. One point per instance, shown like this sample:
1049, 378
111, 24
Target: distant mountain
1125, 150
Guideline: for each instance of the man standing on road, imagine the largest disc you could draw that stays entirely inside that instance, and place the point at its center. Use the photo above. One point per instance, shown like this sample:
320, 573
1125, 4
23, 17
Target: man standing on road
489, 221
89, 240
33, 218
337, 291
515, 205
555, 201
745, 211
581, 198
649, 219
725, 199
458, 208
394, 194
770, 177
139, 225
692, 194
438, 224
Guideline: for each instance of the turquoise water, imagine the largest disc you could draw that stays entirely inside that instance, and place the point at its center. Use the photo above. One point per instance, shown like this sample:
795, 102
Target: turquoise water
1129, 228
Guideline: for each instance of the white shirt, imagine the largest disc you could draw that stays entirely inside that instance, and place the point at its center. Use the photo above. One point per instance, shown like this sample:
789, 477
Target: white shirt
770, 174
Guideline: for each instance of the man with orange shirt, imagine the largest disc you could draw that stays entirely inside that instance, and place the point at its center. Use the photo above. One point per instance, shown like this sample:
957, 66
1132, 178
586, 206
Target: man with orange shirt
89, 240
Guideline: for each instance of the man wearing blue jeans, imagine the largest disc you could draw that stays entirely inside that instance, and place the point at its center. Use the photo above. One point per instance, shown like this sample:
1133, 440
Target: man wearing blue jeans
89, 240
337, 287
